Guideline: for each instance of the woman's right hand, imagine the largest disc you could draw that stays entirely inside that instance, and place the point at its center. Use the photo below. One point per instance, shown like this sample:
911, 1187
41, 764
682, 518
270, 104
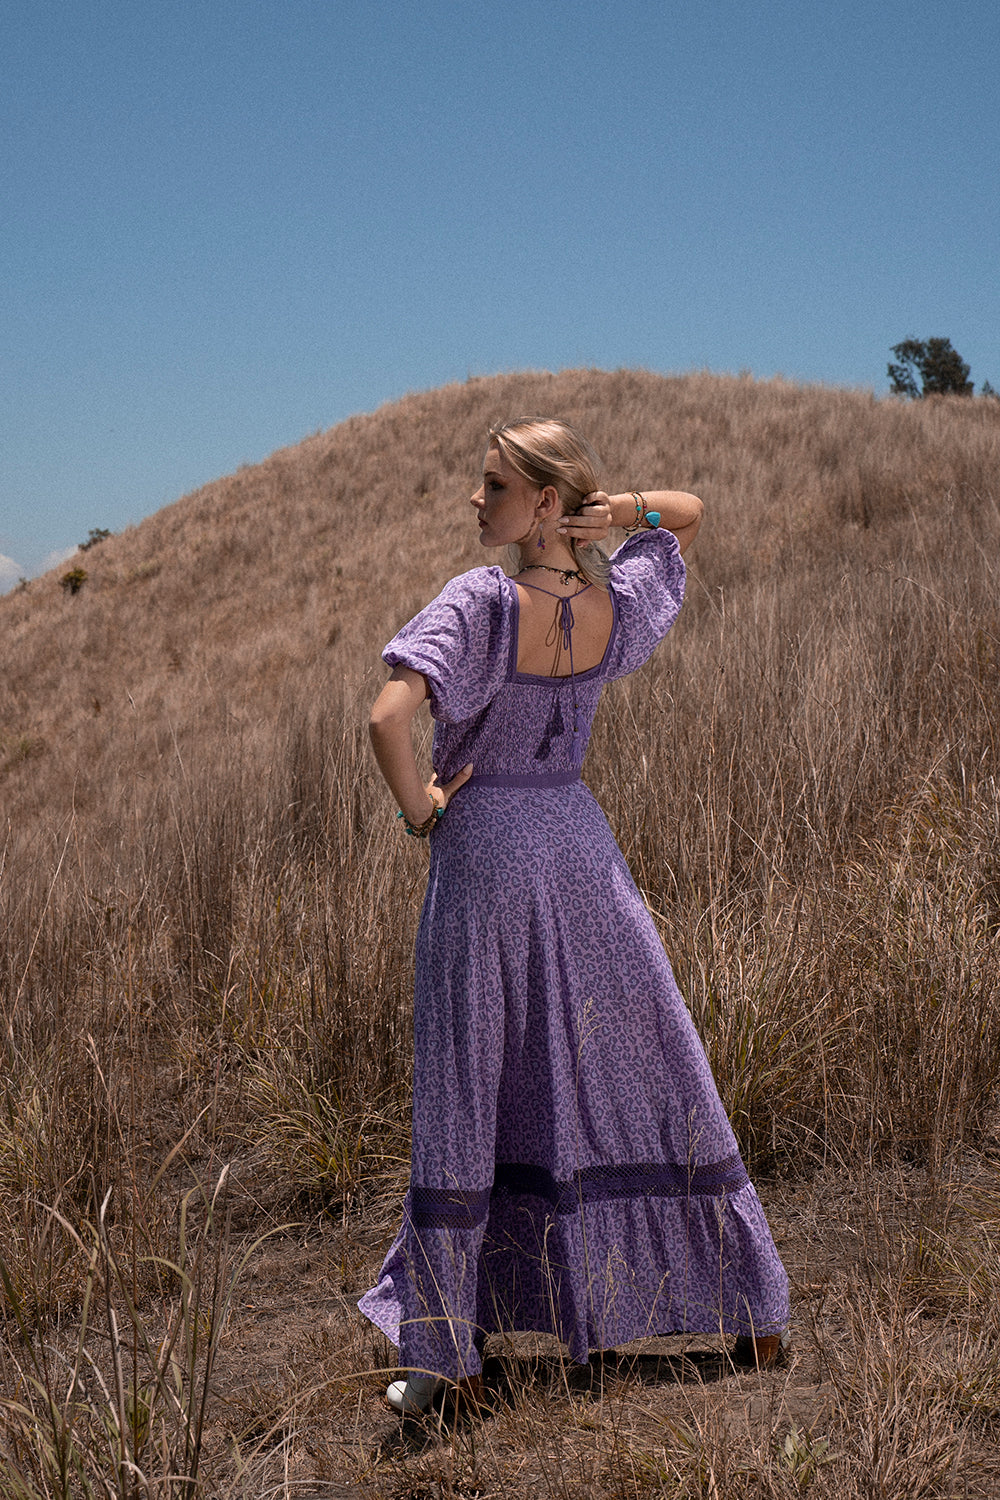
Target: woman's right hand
591, 523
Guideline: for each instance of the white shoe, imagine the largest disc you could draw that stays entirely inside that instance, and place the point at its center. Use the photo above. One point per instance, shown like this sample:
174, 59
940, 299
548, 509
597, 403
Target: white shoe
413, 1396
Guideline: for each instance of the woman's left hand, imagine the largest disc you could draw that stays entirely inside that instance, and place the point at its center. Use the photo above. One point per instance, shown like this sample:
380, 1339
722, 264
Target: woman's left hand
591, 523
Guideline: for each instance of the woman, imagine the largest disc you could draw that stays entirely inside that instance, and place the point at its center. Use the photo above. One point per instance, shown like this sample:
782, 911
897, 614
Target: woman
573, 1170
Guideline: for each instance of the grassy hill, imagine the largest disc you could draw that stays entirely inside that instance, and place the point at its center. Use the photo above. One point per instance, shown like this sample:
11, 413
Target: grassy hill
206, 936
261, 588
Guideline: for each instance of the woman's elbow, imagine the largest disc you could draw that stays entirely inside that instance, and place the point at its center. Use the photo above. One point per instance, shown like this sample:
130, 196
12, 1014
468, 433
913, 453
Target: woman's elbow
380, 722
688, 530
393, 709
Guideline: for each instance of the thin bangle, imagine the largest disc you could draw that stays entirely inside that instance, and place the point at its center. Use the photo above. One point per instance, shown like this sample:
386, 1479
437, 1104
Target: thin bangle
640, 514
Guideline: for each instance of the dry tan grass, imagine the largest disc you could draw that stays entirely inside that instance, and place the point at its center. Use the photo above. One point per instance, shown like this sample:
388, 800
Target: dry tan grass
205, 950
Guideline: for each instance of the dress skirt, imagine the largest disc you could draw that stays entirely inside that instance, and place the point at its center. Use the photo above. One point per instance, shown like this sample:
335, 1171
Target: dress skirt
573, 1170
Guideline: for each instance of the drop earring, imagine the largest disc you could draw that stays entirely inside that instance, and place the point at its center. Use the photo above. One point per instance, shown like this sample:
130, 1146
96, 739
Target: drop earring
540, 544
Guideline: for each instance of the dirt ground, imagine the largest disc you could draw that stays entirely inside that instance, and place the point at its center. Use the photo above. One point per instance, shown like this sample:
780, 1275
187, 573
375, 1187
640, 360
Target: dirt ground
300, 1384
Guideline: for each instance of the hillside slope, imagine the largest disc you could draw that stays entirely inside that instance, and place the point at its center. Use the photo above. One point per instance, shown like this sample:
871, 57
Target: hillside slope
272, 585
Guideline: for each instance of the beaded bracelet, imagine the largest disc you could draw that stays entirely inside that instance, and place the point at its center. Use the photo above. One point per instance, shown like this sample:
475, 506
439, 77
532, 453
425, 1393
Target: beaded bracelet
640, 511
651, 517
422, 829
640, 515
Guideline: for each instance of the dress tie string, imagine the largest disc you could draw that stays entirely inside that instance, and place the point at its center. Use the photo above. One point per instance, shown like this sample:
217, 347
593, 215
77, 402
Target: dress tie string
566, 622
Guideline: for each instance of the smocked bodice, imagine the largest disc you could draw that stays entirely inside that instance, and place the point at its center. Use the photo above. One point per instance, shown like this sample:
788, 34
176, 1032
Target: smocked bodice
517, 724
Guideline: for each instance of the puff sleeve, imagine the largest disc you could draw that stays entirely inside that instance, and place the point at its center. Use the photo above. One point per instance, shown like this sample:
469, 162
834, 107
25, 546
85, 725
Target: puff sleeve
460, 643
647, 576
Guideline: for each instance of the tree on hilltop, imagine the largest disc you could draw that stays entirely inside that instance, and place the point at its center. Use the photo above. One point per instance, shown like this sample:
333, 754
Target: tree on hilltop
942, 370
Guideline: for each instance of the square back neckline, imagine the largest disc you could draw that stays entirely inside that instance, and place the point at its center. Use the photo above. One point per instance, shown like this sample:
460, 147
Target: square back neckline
513, 675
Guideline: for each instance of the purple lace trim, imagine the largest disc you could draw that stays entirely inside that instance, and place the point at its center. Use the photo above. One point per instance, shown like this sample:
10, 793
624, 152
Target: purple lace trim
447, 1208
528, 779
641, 1180
452, 1208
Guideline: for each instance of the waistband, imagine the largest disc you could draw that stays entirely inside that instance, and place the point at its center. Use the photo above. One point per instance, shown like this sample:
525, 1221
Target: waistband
527, 779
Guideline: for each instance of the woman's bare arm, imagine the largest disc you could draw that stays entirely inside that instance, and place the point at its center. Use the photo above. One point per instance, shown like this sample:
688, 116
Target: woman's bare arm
390, 725
679, 512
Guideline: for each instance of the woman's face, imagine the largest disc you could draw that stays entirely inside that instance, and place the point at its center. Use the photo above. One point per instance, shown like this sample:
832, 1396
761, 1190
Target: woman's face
505, 502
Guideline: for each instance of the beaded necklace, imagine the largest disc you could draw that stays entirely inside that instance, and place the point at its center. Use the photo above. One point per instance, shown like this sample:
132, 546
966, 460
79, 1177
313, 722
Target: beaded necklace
564, 573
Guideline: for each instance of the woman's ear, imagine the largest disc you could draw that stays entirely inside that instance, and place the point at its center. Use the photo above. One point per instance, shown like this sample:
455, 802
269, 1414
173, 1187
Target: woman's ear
549, 503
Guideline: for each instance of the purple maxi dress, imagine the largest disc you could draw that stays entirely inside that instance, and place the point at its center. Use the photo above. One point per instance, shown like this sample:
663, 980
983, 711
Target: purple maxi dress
573, 1170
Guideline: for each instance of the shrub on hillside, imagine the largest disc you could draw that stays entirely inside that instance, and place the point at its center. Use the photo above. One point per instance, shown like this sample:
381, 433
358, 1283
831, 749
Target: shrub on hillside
95, 535
74, 580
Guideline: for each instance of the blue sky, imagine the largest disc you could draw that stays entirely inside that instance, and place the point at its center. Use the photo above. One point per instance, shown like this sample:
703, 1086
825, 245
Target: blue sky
229, 223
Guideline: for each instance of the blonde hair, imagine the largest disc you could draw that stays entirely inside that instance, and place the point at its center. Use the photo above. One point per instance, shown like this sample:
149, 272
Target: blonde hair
549, 452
